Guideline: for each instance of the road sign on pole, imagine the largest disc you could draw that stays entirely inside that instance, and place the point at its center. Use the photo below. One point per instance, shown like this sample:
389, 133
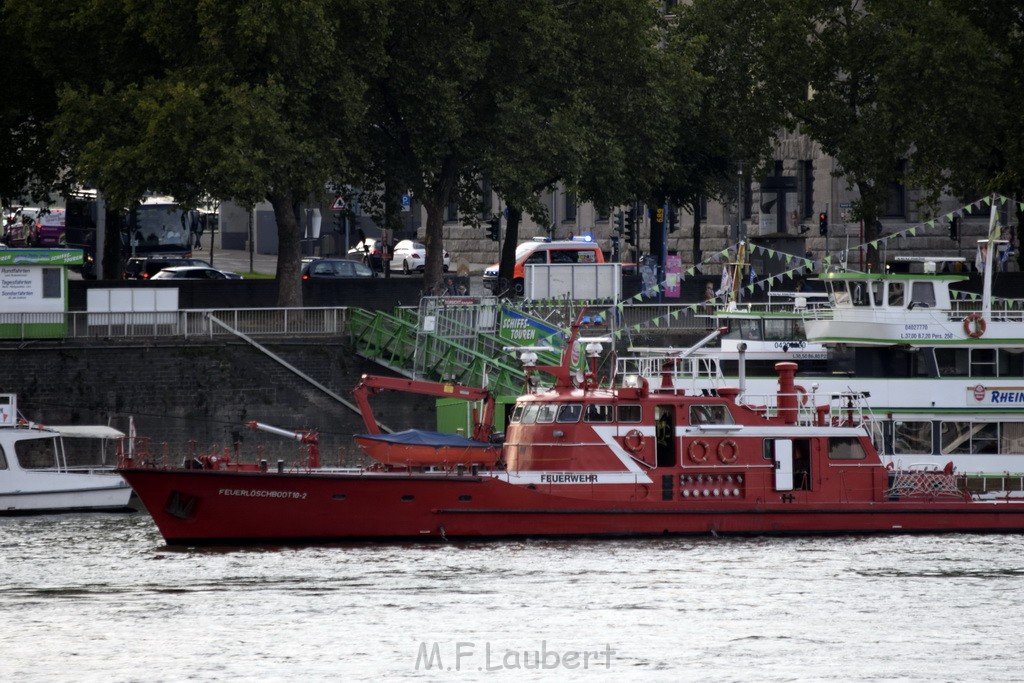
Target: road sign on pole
339, 204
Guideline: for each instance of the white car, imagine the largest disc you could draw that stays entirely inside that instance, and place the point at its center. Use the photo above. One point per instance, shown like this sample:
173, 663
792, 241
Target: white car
410, 255
195, 273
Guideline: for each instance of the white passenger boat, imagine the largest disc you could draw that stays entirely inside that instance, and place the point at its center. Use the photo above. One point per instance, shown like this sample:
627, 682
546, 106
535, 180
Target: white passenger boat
58, 468
943, 368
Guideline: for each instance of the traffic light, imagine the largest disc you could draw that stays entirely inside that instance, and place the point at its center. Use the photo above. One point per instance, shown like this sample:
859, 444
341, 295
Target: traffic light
673, 220
620, 222
494, 229
339, 221
631, 225
954, 229
823, 223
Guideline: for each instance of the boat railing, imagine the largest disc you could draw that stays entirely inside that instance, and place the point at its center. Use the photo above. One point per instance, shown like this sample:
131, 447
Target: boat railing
684, 372
845, 408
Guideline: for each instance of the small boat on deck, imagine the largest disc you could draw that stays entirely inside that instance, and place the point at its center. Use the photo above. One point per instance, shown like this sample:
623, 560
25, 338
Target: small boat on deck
58, 468
591, 456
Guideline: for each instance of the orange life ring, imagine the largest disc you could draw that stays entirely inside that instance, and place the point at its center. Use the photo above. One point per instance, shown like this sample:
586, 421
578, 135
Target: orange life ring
633, 441
702, 455
802, 393
974, 325
733, 453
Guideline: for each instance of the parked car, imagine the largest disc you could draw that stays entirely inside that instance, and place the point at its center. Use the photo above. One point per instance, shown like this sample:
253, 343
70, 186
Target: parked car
50, 228
335, 269
20, 228
194, 273
411, 255
370, 251
145, 267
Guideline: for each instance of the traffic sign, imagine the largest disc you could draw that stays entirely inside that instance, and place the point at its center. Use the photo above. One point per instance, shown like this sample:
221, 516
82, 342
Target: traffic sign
406, 202
339, 204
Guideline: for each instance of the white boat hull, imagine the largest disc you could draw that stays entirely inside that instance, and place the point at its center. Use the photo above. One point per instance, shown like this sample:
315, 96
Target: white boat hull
24, 492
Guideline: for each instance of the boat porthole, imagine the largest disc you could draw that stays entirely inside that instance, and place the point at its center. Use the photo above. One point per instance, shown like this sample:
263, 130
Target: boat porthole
407, 498
465, 499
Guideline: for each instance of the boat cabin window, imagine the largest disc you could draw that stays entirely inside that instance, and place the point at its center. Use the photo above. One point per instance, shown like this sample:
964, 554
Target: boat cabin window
517, 413
710, 415
3, 459
911, 437
629, 413
922, 294
529, 414
969, 437
840, 293
896, 294
36, 454
598, 413
569, 412
784, 329
546, 413
845, 449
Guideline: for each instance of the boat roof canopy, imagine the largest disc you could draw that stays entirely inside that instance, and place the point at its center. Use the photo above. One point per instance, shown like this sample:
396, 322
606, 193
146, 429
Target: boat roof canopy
86, 431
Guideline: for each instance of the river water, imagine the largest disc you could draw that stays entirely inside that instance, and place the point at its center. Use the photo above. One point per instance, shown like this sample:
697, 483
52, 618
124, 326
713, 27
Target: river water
101, 598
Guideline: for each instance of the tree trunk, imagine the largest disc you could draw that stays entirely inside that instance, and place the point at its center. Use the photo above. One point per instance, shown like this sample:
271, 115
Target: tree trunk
434, 241
289, 250
112, 257
507, 264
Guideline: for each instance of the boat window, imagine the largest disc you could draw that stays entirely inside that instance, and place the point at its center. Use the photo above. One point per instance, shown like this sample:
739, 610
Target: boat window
517, 413
952, 362
1011, 364
3, 459
598, 413
969, 437
36, 454
529, 414
911, 437
845, 449
629, 413
895, 293
570, 412
710, 415
840, 293
1011, 437
922, 294
859, 293
783, 329
546, 413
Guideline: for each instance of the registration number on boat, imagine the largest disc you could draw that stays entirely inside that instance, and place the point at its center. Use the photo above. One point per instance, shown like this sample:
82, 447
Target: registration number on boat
258, 493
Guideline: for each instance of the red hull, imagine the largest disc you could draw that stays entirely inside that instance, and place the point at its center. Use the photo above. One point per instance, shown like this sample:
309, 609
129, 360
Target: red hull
197, 507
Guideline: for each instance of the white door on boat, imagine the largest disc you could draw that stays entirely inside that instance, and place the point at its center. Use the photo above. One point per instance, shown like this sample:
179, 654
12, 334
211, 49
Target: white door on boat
783, 452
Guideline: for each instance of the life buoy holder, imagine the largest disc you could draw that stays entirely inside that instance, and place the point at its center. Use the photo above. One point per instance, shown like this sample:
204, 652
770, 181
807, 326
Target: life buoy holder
974, 325
802, 393
698, 451
728, 451
633, 441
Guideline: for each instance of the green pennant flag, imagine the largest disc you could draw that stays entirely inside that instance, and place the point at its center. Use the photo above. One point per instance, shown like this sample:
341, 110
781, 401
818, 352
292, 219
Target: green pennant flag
949, 216
987, 200
675, 314
618, 334
807, 264
912, 231
657, 322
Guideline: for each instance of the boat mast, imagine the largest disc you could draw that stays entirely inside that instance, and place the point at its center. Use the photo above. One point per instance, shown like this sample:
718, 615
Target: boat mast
986, 292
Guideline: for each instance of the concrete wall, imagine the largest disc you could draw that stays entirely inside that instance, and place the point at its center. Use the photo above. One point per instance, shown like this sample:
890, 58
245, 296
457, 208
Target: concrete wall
204, 392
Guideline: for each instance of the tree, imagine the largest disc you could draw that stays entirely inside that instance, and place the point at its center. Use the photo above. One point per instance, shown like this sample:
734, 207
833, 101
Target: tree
750, 78
887, 81
248, 100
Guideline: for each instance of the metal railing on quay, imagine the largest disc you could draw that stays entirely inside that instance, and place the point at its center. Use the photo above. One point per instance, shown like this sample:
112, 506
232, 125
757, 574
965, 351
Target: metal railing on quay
184, 324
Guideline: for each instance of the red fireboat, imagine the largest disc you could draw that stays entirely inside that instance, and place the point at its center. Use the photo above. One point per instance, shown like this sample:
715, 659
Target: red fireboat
638, 456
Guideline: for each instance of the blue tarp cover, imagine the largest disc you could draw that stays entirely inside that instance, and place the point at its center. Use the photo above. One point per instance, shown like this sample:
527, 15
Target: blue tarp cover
421, 437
